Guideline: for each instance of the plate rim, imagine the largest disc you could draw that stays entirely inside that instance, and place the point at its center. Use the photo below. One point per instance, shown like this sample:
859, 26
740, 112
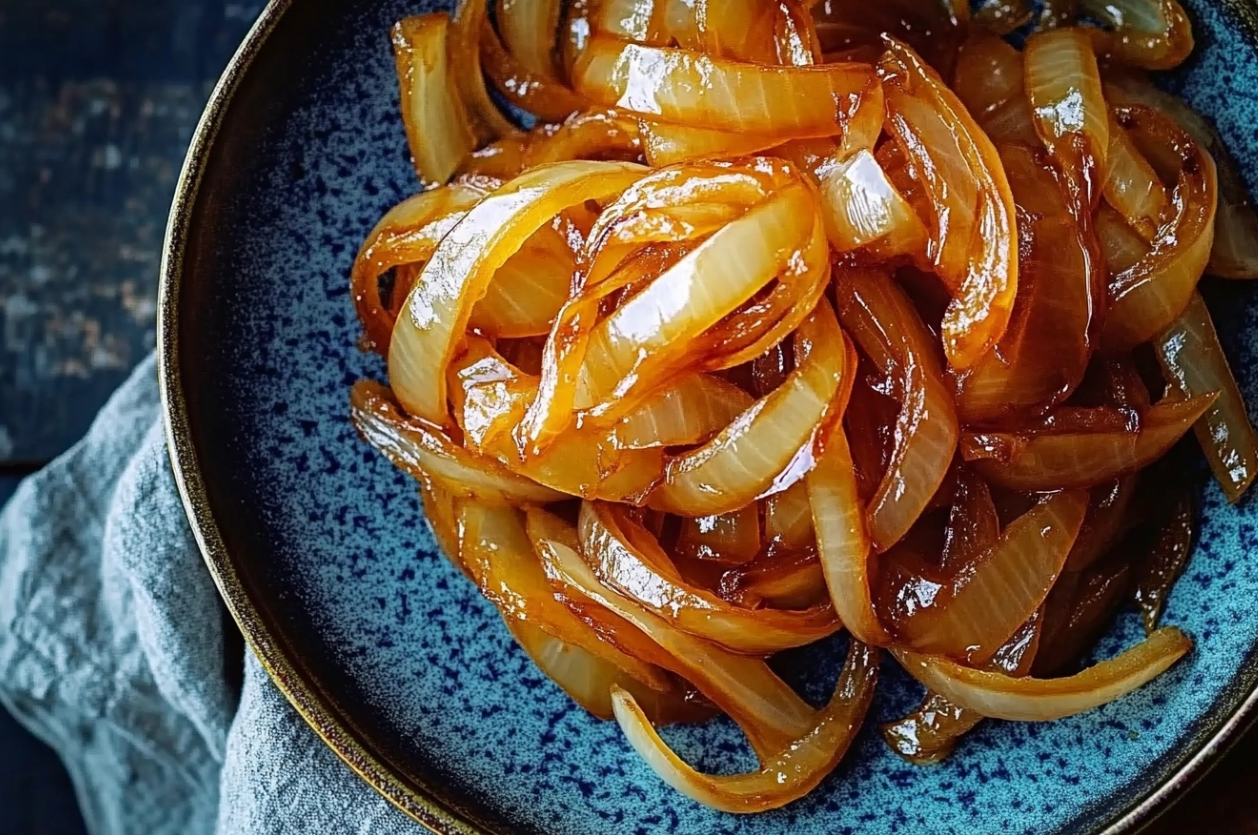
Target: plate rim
414, 798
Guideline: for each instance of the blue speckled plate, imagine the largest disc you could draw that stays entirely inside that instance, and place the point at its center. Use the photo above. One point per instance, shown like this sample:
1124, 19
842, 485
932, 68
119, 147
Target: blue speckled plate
322, 554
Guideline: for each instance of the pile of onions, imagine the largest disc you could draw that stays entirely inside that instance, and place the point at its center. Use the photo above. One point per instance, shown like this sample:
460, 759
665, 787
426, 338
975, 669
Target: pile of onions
789, 318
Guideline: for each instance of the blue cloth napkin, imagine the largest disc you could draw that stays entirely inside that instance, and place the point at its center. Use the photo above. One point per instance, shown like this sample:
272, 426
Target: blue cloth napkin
112, 652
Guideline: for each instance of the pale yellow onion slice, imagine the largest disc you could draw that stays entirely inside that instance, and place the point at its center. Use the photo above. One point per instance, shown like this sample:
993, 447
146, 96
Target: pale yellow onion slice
861, 206
1146, 298
500, 557
781, 779
1131, 185
1153, 34
459, 271
543, 96
843, 544
690, 412
528, 30
883, 321
489, 395
1193, 361
1235, 250
999, 696
730, 538
653, 230
407, 234
689, 88
427, 453
527, 291
628, 559
1003, 587
686, 311
788, 518
463, 53
928, 734
768, 447
973, 237
769, 712
664, 144
436, 122
1063, 84
1049, 461
589, 680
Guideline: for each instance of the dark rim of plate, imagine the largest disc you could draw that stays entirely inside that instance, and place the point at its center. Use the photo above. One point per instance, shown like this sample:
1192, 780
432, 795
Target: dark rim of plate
422, 802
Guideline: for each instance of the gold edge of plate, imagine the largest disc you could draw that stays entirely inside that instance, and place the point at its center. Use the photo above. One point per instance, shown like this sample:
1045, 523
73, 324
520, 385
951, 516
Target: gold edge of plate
410, 795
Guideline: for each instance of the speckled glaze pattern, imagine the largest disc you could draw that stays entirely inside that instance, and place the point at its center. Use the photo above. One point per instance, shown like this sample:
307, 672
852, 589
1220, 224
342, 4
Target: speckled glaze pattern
321, 550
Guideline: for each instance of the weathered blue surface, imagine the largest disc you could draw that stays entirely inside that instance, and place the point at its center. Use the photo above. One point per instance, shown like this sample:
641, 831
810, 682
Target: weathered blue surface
97, 103
348, 567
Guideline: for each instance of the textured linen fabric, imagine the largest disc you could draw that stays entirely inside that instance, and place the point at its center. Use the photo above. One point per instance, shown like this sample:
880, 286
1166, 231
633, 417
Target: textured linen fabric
112, 651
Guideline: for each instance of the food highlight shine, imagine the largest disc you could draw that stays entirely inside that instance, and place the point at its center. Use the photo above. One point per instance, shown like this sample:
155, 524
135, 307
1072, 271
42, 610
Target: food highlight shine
790, 318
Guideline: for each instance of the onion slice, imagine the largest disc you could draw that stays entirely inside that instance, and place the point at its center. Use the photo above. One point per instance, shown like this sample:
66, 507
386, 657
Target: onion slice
589, 680
436, 122
843, 544
500, 557
782, 778
690, 88
889, 331
974, 242
528, 29
1042, 356
928, 734
767, 710
1194, 363
463, 52
770, 445
427, 453
1063, 85
1166, 560
627, 558
1062, 460
1000, 696
1146, 298
1003, 587
406, 235
460, 269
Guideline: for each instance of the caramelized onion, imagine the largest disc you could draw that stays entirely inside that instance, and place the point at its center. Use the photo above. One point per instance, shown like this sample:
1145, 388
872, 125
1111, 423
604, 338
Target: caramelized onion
690, 88
1063, 84
763, 330
1147, 297
929, 734
1000, 696
437, 127
925, 433
765, 708
786, 776
1001, 588
427, 453
1043, 354
628, 559
1054, 459
1193, 362
460, 269
973, 241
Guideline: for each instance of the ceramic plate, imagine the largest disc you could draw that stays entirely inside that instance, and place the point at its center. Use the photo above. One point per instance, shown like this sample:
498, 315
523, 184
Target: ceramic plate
322, 554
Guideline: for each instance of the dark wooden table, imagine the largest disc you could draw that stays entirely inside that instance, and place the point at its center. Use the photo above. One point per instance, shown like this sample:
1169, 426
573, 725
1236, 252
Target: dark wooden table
98, 99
